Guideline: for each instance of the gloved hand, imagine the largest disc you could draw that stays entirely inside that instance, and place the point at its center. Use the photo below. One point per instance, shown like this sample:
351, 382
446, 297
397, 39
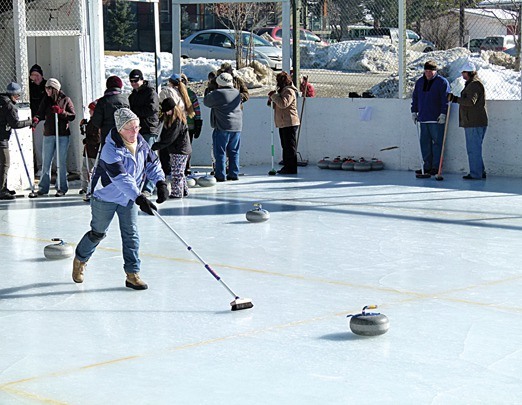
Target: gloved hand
414, 117
198, 124
56, 109
441, 119
163, 191
35, 122
145, 205
155, 146
452, 98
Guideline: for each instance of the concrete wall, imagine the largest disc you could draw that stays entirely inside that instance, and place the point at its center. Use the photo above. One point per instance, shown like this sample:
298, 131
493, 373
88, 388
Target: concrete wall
333, 127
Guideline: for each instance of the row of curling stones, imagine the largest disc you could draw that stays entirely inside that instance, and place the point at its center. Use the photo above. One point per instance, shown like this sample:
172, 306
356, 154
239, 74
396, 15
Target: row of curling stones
257, 214
57, 251
202, 181
349, 163
369, 323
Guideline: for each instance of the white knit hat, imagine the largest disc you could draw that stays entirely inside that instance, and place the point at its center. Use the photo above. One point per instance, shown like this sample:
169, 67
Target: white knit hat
468, 67
122, 116
225, 80
54, 83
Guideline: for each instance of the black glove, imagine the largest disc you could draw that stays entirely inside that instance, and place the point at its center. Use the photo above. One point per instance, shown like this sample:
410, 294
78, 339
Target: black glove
198, 124
452, 98
163, 191
145, 205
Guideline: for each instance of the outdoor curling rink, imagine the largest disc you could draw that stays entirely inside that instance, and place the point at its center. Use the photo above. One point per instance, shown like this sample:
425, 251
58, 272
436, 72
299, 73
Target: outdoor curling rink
441, 259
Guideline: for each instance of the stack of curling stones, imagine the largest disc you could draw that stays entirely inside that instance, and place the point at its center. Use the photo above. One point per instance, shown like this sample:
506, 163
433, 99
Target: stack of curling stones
369, 323
57, 251
257, 214
350, 163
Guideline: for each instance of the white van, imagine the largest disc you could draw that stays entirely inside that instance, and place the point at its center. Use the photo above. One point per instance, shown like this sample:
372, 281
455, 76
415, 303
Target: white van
498, 43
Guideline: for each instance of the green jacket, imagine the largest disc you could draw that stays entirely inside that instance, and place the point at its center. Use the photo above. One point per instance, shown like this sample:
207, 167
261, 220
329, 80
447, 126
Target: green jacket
472, 105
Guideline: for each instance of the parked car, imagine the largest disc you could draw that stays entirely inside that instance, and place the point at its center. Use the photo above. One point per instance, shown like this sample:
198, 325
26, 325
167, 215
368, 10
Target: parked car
305, 36
220, 44
414, 40
474, 44
498, 43
511, 51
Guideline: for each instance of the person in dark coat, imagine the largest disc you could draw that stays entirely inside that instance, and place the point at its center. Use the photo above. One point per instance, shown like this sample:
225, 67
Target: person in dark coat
112, 100
36, 95
176, 140
8, 120
91, 146
144, 102
55, 103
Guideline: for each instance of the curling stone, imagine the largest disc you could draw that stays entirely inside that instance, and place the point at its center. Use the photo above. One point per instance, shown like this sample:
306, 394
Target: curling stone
206, 181
191, 182
335, 164
348, 164
377, 164
369, 323
323, 163
258, 214
57, 251
362, 165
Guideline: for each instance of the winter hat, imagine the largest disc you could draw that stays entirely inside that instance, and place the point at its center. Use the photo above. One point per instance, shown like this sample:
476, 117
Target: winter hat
430, 65
167, 104
122, 116
114, 81
36, 68
14, 89
225, 80
136, 74
53, 83
175, 77
468, 67
226, 67
92, 104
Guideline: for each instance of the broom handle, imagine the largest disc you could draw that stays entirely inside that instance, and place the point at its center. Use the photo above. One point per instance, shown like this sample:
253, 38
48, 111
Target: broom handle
189, 248
444, 139
57, 151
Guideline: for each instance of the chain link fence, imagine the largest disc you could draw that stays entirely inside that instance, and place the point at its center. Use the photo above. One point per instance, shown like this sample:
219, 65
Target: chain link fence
7, 44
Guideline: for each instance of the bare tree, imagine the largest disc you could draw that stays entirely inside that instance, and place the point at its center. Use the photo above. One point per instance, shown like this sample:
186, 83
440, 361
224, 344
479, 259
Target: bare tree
443, 30
238, 17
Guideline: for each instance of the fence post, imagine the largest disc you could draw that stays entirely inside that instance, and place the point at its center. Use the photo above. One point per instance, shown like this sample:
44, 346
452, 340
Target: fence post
402, 49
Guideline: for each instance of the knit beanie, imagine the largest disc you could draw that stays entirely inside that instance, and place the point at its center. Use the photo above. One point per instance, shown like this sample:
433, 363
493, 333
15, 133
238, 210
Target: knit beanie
225, 80
136, 74
430, 65
167, 104
36, 68
13, 89
53, 83
122, 116
114, 81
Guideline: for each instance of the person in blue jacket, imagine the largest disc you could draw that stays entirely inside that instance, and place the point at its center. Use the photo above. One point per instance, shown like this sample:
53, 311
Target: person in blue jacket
429, 106
125, 160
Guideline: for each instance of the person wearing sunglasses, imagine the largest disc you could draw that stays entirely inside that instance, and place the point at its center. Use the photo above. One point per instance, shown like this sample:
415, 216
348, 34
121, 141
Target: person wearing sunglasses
144, 102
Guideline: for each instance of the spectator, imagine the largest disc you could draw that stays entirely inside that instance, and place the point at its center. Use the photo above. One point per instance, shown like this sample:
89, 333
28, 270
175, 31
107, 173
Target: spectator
286, 118
8, 120
195, 124
473, 117
306, 88
55, 103
175, 140
226, 117
144, 103
36, 95
112, 99
429, 107
238, 82
91, 146
125, 160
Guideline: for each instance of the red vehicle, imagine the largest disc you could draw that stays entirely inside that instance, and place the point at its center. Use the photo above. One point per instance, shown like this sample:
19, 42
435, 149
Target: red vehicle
276, 33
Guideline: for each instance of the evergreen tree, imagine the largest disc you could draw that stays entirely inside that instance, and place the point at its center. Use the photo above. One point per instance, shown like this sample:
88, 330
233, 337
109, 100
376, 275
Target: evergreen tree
122, 26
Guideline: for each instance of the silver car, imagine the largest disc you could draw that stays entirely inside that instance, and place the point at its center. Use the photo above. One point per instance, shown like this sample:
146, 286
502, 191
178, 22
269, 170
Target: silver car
220, 44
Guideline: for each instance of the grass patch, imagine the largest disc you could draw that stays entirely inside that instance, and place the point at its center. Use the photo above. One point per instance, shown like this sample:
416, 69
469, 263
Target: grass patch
118, 53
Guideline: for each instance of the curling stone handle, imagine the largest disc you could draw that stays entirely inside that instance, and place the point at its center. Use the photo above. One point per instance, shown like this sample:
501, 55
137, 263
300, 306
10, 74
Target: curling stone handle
57, 240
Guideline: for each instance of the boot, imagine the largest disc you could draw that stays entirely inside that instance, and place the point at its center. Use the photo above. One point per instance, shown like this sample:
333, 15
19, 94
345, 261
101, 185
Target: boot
78, 269
5, 195
135, 282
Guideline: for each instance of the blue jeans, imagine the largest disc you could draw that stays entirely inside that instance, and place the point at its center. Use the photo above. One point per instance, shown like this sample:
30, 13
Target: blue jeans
225, 144
431, 135
102, 215
149, 185
48, 152
474, 139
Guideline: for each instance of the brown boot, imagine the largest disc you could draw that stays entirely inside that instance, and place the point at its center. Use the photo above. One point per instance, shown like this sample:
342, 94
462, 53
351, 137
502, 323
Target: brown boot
78, 269
135, 282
